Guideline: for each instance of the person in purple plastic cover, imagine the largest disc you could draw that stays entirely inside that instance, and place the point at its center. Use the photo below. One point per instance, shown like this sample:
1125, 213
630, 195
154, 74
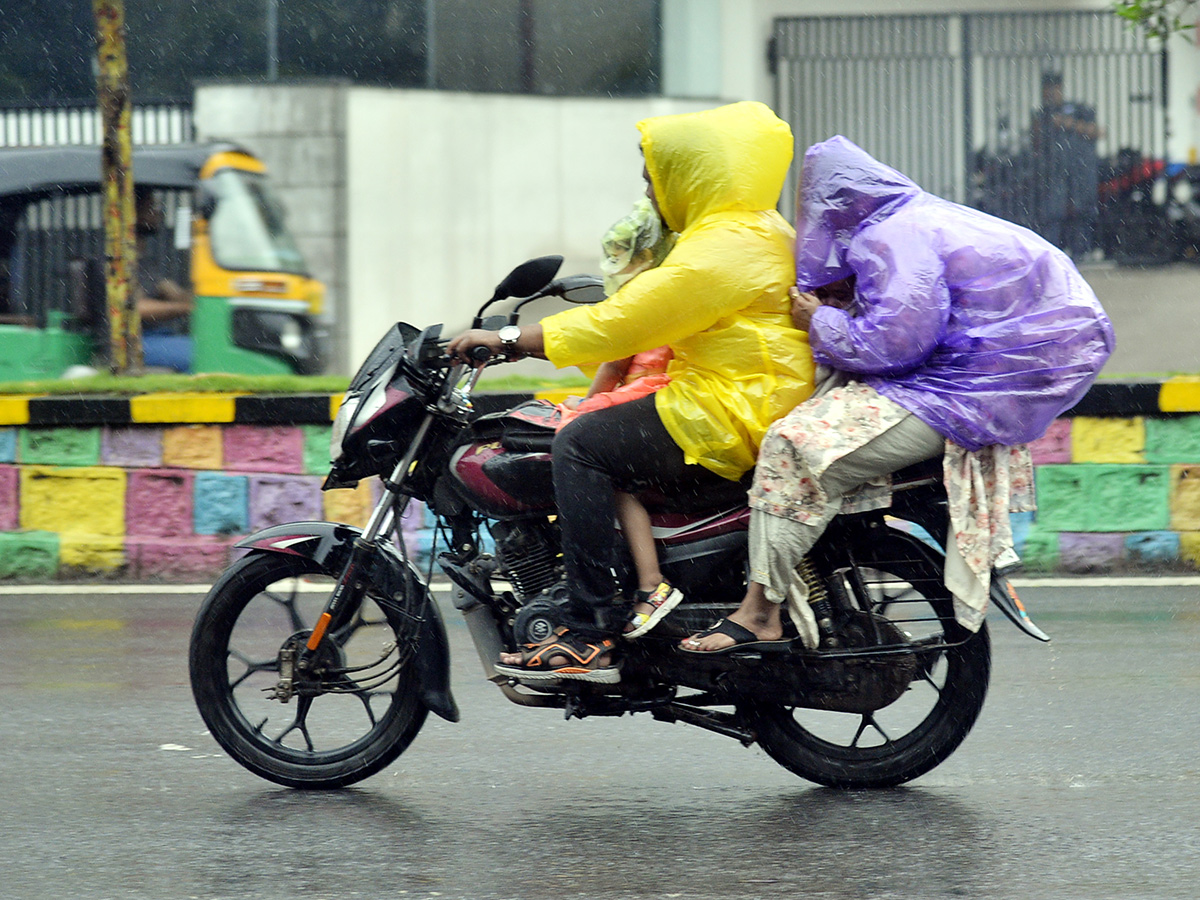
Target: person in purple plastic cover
966, 337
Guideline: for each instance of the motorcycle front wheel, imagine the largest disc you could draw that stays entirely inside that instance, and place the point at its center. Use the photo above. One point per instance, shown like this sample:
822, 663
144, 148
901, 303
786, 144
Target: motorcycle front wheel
340, 719
911, 736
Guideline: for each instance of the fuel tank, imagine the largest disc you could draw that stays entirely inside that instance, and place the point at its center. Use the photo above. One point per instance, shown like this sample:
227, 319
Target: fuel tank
501, 483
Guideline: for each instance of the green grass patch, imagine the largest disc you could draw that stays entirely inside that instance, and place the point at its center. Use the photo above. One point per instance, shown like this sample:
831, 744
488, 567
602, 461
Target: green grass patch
524, 384
153, 384
129, 385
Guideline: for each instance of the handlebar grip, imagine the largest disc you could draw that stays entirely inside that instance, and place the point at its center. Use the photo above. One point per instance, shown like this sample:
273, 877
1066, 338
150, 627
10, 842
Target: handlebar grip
481, 354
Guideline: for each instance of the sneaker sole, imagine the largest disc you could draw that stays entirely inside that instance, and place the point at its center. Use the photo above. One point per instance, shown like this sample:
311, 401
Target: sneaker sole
609, 675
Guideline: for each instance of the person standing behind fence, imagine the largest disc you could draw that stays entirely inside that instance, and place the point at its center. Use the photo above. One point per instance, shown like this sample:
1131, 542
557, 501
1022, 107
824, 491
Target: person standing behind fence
1066, 170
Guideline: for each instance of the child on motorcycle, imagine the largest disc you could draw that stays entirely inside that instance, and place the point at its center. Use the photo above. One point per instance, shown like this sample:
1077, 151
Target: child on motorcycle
637, 242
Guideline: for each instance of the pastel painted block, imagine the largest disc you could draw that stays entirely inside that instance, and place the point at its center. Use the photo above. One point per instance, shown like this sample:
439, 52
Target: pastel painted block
264, 448
278, 499
8, 445
1150, 548
1128, 498
89, 501
182, 407
221, 503
9, 498
1108, 440
1021, 524
132, 448
316, 449
1062, 497
1189, 548
192, 447
911, 528
419, 544
1039, 553
1173, 440
1090, 552
59, 446
92, 553
1054, 446
416, 532
29, 555
158, 502
351, 506
1185, 498
178, 559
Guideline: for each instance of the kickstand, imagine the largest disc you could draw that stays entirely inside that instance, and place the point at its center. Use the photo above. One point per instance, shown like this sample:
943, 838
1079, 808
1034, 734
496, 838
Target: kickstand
573, 708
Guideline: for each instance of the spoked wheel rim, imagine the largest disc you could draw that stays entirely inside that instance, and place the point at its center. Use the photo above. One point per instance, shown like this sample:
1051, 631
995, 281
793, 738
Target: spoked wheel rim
862, 735
911, 735
348, 714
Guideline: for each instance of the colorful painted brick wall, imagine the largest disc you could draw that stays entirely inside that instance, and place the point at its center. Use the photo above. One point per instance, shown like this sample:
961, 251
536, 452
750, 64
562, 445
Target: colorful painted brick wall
165, 491
161, 486
1118, 482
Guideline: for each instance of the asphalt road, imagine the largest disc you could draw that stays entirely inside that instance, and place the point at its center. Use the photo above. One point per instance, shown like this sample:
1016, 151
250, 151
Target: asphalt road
1080, 780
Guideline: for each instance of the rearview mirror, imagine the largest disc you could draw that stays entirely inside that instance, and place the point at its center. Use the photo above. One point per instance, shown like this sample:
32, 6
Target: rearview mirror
529, 277
583, 289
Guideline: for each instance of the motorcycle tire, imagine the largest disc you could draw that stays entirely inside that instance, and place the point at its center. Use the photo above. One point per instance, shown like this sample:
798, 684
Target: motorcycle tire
914, 734
351, 718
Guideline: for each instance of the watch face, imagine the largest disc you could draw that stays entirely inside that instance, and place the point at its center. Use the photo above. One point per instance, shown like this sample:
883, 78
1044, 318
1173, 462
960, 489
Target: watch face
509, 334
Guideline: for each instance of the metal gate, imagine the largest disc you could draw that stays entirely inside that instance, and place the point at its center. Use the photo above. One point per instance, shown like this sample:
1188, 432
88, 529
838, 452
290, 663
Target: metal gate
891, 84
952, 101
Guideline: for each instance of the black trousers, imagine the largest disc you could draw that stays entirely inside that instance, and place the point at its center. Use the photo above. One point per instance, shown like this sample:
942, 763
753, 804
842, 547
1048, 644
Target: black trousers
622, 448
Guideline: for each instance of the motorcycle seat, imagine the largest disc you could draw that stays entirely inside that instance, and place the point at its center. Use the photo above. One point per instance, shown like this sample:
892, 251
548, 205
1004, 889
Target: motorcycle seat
925, 472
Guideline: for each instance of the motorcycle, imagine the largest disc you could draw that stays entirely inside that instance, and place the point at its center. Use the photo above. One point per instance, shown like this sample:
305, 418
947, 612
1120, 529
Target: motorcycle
340, 621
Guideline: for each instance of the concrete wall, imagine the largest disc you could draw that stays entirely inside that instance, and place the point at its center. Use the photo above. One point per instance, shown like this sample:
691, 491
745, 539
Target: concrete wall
412, 205
447, 192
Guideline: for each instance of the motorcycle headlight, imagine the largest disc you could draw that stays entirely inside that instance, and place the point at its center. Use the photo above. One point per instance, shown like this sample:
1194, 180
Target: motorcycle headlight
341, 423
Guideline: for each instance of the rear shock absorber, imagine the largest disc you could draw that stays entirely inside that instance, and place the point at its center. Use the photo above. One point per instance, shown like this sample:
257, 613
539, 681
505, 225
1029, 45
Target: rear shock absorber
818, 599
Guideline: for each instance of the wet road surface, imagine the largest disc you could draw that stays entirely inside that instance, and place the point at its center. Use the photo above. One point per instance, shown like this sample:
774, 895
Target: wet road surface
1081, 780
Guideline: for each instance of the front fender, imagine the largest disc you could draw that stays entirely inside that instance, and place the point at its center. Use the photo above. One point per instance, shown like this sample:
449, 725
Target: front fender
329, 545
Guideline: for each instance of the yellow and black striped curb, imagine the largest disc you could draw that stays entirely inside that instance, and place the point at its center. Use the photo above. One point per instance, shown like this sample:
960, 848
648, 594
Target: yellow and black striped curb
1105, 399
206, 408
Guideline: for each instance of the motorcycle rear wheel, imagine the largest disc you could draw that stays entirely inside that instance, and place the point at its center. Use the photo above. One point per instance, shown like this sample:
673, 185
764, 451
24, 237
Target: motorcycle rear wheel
924, 726
339, 727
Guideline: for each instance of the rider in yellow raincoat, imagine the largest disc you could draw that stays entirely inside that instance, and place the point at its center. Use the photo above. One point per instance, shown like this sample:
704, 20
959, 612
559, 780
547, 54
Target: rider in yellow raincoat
720, 301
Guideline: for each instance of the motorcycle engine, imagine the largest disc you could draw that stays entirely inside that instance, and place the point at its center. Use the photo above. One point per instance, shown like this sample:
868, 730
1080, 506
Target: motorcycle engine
529, 556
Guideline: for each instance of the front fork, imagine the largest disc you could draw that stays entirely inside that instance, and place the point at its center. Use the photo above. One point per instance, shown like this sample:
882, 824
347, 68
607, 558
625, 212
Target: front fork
347, 595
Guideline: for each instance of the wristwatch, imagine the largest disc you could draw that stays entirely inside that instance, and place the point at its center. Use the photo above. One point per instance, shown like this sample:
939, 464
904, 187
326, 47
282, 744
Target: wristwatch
509, 335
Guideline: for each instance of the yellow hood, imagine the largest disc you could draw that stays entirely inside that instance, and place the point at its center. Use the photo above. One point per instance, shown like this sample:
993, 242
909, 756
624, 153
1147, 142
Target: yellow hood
719, 299
730, 158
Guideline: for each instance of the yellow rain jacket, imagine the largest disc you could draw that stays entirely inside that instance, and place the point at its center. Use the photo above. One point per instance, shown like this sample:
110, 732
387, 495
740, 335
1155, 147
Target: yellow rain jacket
719, 299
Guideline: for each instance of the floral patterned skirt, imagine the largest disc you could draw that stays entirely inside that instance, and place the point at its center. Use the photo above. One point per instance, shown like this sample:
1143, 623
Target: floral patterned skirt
982, 487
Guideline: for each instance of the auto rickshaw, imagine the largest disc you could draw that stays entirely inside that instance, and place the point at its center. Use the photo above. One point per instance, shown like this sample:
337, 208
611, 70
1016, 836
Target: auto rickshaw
255, 304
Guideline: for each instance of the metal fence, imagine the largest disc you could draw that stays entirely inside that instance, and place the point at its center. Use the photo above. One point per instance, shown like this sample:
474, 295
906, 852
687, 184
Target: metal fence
50, 125
891, 84
951, 100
